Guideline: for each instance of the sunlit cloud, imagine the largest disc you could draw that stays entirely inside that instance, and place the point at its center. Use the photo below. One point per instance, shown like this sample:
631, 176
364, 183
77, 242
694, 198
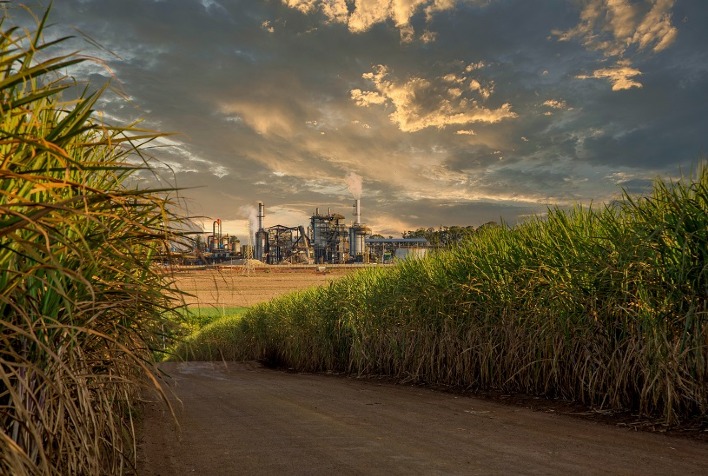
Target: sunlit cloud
268, 26
264, 118
213, 5
621, 76
615, 26
177, 156
555, 104
620, 28
364, 14
419, 103
471, 117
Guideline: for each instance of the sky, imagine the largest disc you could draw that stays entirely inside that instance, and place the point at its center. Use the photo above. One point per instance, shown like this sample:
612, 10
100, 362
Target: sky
450, 112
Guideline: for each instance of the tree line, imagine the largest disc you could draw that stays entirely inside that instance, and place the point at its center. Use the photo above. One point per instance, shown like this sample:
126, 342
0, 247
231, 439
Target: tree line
446, 236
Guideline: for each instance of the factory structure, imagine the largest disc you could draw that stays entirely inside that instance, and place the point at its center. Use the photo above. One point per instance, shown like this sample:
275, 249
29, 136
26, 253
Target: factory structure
326, 240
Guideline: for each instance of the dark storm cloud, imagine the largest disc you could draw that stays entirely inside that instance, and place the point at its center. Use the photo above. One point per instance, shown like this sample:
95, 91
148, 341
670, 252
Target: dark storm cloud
452, 112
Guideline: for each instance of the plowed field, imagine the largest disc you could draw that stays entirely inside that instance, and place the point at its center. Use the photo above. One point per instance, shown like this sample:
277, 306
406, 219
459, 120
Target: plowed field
243, 287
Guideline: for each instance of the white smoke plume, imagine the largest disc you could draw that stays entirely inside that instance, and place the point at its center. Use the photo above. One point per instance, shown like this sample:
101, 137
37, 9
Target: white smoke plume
354, 184
251, 213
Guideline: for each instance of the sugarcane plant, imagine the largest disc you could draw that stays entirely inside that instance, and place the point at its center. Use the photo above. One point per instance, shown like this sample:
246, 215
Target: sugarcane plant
83, 306
604, 305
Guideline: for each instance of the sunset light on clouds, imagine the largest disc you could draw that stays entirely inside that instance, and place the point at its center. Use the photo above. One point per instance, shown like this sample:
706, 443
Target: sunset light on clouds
452, 112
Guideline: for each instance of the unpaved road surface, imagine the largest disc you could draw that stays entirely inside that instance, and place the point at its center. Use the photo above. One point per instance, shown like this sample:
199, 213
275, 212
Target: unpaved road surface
241, 418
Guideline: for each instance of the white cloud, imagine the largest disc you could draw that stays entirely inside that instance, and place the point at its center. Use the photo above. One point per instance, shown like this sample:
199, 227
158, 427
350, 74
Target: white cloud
473, 66
485, 92
212, 4
268, 26
614, 26
556, 104
361, 124
178, 157
621, 76
656, 28
265, 119
419, 102
619, 178
428, 36
366, 98
619, 29
366, 13
305, 6
335, 10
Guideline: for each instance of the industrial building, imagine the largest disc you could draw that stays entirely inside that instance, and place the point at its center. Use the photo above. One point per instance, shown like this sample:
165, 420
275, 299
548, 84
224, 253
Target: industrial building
327, 240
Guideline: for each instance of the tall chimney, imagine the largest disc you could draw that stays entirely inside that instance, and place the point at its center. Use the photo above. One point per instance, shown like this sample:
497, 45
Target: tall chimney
357, 211
261, 215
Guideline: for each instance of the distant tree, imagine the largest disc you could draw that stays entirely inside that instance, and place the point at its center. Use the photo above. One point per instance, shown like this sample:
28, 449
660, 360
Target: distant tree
444, 236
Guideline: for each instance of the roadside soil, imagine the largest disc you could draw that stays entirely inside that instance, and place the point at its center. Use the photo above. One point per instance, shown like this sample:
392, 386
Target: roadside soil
242, 418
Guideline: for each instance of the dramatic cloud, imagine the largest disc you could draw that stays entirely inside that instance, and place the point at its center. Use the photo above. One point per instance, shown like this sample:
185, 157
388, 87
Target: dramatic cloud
618, 29
555, 104
621, 76
615, 26
487, 110
419, 103
361, 15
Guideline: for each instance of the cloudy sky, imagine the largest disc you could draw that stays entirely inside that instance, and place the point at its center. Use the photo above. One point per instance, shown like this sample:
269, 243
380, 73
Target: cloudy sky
452, 112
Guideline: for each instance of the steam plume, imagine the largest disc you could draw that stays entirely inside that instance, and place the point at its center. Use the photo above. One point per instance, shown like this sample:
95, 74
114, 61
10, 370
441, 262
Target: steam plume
252, 213
354, 184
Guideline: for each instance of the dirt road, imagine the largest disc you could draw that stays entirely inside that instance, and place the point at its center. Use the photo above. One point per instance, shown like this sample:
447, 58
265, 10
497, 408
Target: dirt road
244, 419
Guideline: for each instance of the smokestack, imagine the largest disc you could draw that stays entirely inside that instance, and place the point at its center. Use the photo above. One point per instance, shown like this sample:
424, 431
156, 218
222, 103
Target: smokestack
261, 215
357, 211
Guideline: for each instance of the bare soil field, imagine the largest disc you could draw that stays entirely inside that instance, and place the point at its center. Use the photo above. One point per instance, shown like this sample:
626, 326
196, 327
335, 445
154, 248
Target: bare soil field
241, 286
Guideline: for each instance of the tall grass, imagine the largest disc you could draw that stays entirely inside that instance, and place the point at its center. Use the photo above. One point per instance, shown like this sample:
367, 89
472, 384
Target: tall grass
194, 318
81, 304
607, 307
